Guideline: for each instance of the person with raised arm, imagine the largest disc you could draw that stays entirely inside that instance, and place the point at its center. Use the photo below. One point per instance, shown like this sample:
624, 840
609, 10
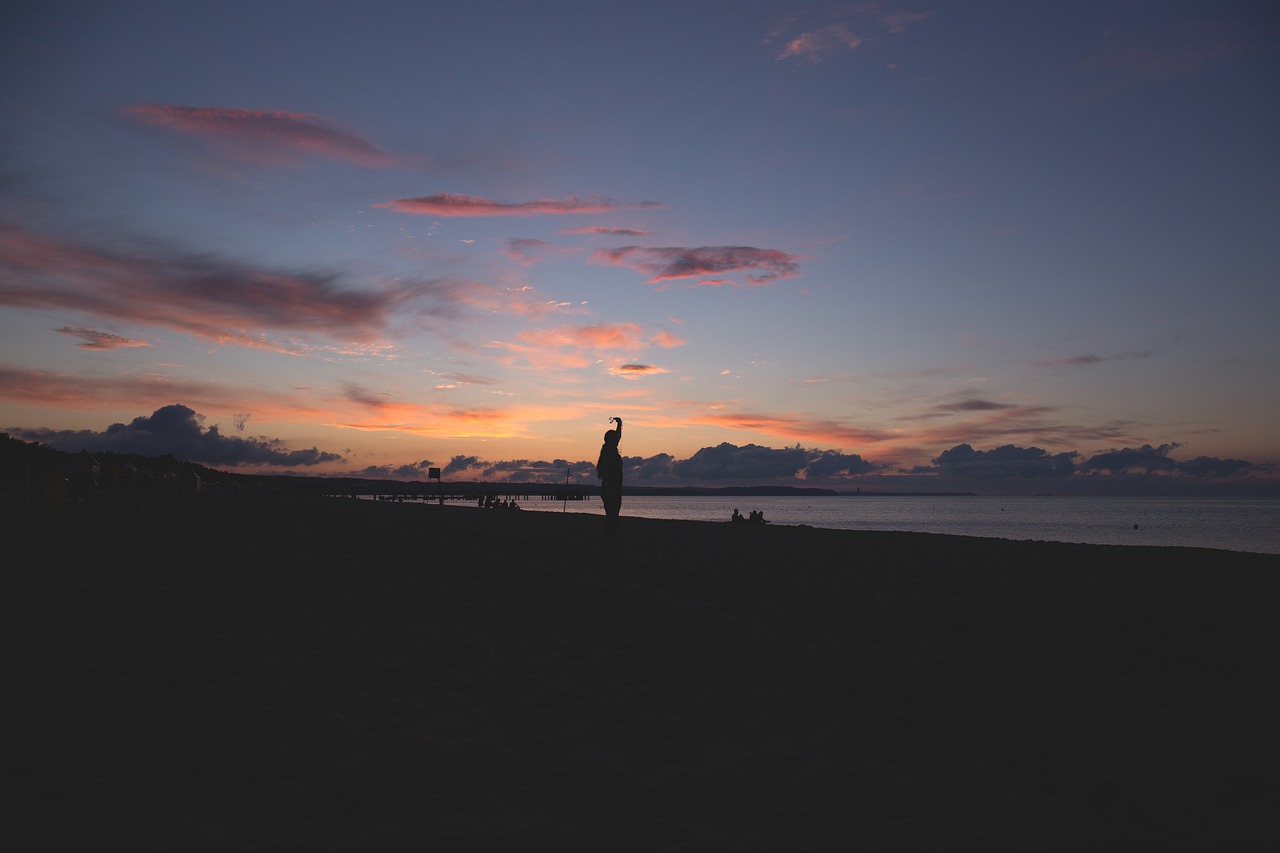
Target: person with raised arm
609, 470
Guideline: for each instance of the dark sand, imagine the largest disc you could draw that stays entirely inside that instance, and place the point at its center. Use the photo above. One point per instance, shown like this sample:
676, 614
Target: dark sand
320, 675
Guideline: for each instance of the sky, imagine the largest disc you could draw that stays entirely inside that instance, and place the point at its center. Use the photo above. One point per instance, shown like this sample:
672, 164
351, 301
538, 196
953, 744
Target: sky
1028, 246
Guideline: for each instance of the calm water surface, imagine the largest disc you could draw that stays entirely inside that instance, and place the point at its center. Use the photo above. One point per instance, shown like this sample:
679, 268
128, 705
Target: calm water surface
1235, 524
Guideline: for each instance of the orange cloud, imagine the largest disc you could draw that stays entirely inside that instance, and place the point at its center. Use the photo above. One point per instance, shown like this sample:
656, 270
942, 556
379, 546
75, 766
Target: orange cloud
448, 204
668, 340
582, 346
797, 428
270, 136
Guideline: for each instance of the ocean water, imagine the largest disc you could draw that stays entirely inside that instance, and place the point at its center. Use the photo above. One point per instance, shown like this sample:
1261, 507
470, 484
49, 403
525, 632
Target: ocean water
1233, 524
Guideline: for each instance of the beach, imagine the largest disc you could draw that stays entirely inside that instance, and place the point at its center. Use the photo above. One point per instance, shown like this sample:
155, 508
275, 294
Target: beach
279, 673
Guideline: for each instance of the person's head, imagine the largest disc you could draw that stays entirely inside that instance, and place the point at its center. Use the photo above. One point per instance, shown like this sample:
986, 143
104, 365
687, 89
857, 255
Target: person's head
612, 438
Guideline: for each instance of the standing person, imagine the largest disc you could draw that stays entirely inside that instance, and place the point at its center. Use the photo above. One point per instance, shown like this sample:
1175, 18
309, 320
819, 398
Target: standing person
609, 470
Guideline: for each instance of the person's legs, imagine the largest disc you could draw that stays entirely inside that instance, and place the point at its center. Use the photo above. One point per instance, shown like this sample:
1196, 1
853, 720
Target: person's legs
612, 507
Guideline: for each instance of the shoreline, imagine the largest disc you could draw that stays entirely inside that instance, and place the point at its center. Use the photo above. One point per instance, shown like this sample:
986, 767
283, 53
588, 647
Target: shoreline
348, 675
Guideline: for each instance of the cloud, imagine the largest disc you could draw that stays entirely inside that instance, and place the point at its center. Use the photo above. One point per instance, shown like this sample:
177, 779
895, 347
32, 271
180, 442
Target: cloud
522, 301
725, 462
636, 371
1145, 458
1090, 358
61, 390
92, 339
898, 22
448, 204
610, 232
1006, 462
820, 43
752, 462
973, 406
200, 295
528, 251
176, 430
273, 137
817, 45
1152, 460
516, 470
668, 340
670, 263
1209, 466
795, 427
582, 346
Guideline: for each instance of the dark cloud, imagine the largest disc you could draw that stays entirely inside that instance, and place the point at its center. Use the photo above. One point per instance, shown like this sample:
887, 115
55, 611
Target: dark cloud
1145, 458
763, 464
974, 406
359, 394
729, 462
833, 465
515, 470
1091, 358
413, 471
524, 470
673, 262
176, 430
1209, 466
1003, 462
450, 204
610, 232
654, 468
459, 464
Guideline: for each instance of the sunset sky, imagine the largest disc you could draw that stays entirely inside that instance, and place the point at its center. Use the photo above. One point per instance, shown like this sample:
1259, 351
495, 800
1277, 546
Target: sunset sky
813, 243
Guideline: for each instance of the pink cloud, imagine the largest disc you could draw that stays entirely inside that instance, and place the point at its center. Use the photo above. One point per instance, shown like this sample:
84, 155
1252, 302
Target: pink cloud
667, 264
198, 295
448, 204
271, 136
95, 340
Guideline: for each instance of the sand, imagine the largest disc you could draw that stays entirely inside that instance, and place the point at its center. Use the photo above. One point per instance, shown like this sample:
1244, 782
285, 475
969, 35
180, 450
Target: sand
309, 674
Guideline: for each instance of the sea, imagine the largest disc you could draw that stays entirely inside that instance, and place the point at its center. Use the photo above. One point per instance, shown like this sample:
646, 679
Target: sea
1232, 524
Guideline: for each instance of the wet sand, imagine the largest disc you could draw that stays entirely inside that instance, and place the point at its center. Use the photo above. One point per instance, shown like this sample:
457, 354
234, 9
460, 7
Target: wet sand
337, 675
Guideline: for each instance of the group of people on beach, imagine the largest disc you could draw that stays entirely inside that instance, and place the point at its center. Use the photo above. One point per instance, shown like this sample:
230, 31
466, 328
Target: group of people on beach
756, 517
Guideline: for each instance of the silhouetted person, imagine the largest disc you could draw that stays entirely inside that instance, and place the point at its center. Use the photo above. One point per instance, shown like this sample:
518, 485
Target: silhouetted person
737, 516
609, 470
